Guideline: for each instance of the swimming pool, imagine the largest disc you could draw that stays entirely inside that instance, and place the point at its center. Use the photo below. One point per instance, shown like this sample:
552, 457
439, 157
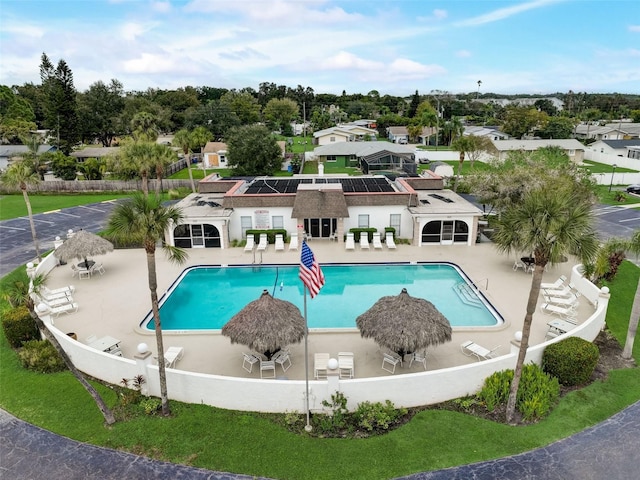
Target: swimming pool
205, 298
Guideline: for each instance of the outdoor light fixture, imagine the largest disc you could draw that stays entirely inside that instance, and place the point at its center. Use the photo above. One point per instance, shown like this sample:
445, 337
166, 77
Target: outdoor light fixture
332, 364
143, 347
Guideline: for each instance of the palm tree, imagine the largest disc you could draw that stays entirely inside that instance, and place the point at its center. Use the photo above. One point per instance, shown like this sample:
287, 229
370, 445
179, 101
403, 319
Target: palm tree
633, 325
463, 145
26, 299
182, 139
20, 174
145, 219
162, 157
552, 221
200, 136
141, 157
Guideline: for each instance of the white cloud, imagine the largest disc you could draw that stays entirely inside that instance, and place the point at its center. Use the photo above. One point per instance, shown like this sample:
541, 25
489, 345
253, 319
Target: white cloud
503, 13
148, 63
131, 31
161, 7
440, 14
24, 30
463, 54
634, 28
348, 61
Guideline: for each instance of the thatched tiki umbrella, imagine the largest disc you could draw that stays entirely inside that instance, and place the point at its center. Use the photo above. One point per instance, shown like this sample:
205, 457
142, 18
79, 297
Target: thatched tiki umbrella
266, 325
404, 324
83, 244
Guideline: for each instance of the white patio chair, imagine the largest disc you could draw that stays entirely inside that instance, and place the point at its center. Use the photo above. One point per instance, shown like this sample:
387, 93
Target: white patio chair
248, 361
267, 369
389, 362
346, 367
419, 357
279, 243
250, 243
283, 358
320, 365
558, 284
263, 243
97, 267
172, 356
389, 241
377, 243
364, 241
350, 244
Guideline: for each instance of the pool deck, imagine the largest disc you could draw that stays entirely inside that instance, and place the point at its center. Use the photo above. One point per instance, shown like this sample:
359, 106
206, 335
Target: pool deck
115, 303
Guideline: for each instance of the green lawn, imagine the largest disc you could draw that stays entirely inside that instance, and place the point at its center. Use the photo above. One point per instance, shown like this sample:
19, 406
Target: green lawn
251, 444
13, 206
607, 197
595, 168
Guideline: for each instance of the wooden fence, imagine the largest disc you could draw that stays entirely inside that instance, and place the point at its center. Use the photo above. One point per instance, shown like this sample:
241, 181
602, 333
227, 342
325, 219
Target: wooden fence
99, 186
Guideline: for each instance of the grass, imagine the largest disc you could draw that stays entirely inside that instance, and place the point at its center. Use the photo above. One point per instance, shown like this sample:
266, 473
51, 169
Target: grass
13, 206
595, 168
251, 444
607, 197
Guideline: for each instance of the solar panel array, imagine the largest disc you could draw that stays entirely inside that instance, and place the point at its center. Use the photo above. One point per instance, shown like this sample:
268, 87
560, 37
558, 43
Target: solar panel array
365, 185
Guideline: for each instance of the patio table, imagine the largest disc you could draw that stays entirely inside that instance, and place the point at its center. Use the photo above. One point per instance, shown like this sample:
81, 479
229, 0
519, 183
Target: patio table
105, 344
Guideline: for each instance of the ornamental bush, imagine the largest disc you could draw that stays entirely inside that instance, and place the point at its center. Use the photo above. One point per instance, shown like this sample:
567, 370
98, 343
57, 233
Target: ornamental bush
572, 360
377, 416
40, 356
537, 392
18, 326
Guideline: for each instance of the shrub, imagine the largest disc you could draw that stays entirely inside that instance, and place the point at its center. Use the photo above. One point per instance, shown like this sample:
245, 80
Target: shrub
495, 390
150, 405
40, 356
338, 419
538, 392
18, 326
377, 416
572, 360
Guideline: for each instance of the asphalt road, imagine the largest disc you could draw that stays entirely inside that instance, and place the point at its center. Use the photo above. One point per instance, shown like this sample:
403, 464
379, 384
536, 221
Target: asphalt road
16, 244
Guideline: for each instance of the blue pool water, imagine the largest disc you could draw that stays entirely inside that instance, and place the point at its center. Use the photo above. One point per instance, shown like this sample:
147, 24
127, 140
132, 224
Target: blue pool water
205, 298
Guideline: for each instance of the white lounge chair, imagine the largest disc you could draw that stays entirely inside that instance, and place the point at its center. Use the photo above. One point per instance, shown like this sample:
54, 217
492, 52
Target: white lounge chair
248, 361
364, 241
349, 243
53, 296
377, 243
56, 291
346, 365
251, 243
172, 355
293, 243
567, 302
563, 312
67, 308
389, 241
566, 291
470, 348
279, 243
519, 264
263, 243
56, 302
555, 285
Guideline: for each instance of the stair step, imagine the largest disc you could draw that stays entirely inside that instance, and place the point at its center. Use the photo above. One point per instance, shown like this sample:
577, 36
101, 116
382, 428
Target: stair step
467, 295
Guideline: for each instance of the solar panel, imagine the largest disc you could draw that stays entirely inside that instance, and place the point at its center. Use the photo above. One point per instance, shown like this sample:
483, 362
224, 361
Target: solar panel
441, 198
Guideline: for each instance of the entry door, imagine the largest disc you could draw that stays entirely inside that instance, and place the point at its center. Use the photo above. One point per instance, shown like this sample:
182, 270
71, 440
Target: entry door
197, 236
447, 232
326, 227
314, 227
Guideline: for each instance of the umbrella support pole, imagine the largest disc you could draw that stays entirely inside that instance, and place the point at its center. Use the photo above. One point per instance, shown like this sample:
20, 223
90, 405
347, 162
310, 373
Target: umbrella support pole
308, 426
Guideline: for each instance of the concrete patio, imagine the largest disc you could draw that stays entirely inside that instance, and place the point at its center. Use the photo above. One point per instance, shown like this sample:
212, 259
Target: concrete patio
115, 303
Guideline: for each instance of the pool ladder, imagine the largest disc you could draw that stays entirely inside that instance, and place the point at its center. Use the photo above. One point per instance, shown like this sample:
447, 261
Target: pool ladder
467, 295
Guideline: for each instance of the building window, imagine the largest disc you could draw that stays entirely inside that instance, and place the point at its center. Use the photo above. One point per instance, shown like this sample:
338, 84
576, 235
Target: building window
277, 221
332, 139
196, 236
394, 221
572, 152
437, 231
331, 158
363, 221
245, 224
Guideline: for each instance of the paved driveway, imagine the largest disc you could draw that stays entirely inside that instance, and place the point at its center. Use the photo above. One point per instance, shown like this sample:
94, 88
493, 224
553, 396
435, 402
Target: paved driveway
16, 244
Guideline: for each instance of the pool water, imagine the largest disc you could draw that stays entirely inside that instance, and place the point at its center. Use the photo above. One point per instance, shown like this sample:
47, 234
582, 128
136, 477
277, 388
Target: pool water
206, 298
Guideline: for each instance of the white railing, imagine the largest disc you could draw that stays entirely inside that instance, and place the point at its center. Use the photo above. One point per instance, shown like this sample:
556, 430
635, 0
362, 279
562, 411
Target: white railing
244, 394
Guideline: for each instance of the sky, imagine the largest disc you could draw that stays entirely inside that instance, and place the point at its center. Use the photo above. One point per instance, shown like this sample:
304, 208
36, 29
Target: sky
393, 46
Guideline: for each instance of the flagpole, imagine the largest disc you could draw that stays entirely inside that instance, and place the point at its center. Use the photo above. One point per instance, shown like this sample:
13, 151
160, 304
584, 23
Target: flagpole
308, 426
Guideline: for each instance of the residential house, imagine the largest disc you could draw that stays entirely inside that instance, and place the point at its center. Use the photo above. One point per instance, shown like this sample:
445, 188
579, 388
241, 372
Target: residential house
572, 147
631, 130
598, 132
325, 207
343, 133
619, 148
10, 152
368, 156
94, 152
491, 132
398, 134
215, 155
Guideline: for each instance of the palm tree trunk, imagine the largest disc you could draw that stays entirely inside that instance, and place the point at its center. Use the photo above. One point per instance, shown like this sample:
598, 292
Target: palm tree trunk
153, 287
106, 412
524, 343
145, 185
633, 325
158, 182
193, 185
31, 222
455, 182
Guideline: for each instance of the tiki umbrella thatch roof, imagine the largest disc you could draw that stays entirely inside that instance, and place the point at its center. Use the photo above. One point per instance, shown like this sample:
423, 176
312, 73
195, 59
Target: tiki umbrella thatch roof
404, 324
266, 325
81, 245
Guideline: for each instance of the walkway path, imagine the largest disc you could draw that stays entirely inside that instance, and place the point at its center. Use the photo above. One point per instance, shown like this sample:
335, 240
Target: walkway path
605, 451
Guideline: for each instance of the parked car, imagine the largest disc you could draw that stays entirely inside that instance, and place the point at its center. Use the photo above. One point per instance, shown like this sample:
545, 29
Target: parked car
633, 189
424, 160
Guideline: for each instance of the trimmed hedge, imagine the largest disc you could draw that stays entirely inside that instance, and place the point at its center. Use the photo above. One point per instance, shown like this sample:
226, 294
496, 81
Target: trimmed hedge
572, 360
18, 326
40, 356
271, 234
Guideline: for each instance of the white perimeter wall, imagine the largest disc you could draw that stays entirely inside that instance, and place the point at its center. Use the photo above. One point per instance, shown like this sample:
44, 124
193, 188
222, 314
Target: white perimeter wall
407, 390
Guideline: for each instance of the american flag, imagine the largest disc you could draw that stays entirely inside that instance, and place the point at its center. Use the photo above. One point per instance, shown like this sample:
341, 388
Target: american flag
310, 272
